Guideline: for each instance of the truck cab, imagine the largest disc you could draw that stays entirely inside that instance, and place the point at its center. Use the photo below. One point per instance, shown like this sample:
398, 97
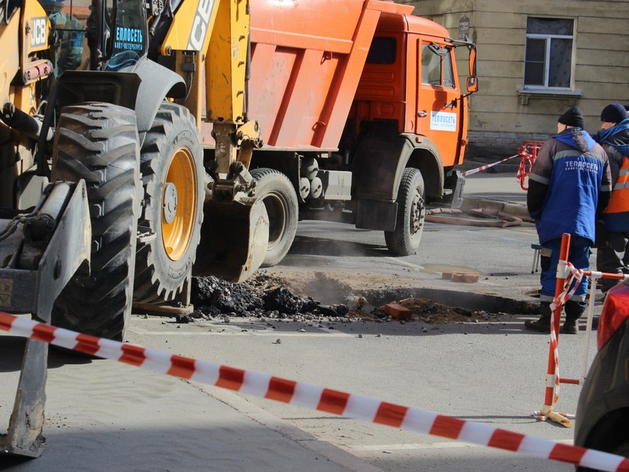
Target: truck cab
410, 80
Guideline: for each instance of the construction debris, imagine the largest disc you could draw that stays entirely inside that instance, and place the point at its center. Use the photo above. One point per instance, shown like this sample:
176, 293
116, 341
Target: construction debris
462, 277
262, 295
398, 311
265, 296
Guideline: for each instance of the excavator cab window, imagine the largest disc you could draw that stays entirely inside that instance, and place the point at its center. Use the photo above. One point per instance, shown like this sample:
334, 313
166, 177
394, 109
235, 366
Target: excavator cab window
10, 8
67, 19
130, 35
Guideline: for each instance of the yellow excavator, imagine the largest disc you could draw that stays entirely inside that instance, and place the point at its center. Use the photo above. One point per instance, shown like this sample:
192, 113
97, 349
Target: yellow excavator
105, 191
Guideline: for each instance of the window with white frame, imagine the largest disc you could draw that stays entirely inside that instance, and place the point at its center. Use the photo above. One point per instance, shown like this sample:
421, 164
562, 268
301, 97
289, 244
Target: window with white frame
548, 57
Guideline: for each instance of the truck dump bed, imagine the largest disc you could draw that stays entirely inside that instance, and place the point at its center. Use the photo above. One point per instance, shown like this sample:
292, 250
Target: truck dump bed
306, 62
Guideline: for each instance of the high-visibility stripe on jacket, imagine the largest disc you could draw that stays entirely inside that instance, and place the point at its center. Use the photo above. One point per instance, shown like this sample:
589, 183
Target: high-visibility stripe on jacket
616, 215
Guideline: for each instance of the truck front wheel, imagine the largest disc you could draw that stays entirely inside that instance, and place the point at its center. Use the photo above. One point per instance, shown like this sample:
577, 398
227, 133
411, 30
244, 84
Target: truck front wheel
411, 213
282, 206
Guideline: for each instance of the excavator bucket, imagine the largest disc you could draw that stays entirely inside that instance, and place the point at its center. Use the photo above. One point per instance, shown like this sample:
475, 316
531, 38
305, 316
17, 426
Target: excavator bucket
30, 283
234, 240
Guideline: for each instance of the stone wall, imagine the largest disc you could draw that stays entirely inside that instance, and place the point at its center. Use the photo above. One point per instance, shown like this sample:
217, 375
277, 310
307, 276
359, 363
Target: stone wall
493, 145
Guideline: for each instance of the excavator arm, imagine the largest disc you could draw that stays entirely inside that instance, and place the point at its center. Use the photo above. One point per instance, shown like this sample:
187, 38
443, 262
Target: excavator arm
212, 39
208, 42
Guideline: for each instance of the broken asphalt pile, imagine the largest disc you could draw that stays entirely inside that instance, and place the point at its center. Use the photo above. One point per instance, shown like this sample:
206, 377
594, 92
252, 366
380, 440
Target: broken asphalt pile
265, 296
262, 295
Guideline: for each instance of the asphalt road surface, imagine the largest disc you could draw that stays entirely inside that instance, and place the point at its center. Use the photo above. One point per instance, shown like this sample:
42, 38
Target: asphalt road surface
501, 255
102, 415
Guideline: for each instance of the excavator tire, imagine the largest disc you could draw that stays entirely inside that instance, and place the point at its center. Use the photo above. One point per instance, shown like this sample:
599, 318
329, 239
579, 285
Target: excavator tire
173, 179
98, 142
282, 206
411, 214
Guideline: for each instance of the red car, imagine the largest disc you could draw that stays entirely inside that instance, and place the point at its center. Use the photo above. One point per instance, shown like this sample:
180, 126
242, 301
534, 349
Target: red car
602, 420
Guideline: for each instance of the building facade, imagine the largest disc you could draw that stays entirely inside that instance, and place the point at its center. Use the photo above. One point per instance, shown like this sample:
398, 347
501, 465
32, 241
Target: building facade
537, 58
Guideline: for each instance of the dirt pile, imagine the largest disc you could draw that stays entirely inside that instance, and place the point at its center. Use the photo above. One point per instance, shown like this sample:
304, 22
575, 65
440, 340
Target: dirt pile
262, 295
273, 297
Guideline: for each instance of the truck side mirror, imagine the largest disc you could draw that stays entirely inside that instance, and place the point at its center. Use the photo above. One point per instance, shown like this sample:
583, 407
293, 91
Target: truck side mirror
472, 84
472, 80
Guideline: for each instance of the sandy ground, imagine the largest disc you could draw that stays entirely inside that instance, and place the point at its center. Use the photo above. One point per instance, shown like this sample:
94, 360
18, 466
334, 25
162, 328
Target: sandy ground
107, 416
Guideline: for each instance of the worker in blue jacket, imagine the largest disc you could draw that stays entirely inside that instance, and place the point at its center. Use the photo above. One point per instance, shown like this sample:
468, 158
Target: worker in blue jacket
569, 186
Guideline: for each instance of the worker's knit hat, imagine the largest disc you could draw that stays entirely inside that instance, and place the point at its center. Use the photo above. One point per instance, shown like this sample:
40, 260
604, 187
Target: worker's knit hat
572, 117
613, 113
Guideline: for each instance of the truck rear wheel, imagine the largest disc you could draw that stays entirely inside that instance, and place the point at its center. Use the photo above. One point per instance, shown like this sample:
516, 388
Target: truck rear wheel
282, 206
172, 175
411, 213
97, 142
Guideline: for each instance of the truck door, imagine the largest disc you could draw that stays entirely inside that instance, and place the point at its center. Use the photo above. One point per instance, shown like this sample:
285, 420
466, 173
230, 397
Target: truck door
437, 111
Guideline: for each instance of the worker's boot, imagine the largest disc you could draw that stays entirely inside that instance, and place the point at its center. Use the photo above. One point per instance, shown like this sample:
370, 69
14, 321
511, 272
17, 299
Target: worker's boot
543, 324
573, 310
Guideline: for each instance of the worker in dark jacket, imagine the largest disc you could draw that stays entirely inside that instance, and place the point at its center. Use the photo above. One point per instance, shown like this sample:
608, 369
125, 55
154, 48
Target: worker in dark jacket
569, 185
613, 254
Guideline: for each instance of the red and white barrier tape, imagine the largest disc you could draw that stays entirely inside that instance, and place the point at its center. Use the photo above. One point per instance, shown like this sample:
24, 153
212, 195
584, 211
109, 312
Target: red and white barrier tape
487, 166
576, 275
314, 397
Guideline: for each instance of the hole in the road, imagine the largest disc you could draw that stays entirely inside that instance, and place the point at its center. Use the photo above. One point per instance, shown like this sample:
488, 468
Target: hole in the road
326, 296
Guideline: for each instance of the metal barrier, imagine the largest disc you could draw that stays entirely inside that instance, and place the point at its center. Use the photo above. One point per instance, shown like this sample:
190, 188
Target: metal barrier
528, 154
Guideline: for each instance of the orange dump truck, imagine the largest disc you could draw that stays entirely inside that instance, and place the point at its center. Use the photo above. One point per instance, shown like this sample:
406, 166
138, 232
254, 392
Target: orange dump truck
361, 114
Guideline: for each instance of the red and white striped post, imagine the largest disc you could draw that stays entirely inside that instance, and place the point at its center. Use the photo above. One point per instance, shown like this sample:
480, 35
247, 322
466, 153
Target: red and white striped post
562, 294
552, 375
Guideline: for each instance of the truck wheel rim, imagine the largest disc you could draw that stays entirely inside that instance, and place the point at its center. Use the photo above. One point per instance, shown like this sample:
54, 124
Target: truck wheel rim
276, 209
416, 212
179, 204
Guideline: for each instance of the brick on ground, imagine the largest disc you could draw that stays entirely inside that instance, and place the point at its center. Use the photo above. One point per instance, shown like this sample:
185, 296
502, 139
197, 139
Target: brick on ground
461, 277
395, 310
